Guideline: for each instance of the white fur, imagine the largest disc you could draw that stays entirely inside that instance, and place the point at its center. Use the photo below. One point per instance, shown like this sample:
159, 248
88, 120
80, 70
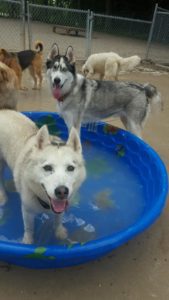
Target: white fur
27, 150
108, 65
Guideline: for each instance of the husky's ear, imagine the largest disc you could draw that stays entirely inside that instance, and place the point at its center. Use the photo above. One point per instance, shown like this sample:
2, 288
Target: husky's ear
70, 54
74, 140
42, 137
54, 51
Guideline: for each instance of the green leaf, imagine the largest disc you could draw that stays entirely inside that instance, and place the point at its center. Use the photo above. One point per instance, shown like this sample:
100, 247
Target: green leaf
40, 250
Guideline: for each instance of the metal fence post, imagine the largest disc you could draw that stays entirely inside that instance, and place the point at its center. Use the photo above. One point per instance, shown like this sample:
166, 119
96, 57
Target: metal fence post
151, 31
23, 24
29, 26
89, 34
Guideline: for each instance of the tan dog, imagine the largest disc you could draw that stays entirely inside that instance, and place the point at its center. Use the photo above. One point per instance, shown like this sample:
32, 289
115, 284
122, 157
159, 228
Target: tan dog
19, 61
8, 83
108, 65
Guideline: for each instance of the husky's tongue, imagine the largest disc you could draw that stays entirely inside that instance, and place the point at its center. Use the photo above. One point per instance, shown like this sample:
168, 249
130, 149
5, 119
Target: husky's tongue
59, 205
57, 92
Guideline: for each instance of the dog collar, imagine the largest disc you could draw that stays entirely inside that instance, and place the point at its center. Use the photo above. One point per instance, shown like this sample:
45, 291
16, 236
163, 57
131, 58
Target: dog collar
43, 203
60, 99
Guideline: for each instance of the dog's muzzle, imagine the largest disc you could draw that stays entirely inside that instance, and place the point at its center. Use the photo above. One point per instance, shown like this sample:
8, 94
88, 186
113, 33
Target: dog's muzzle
57, 89
60, 203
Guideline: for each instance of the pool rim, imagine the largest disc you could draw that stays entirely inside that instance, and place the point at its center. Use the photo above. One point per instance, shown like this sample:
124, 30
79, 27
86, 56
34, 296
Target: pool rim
104, 243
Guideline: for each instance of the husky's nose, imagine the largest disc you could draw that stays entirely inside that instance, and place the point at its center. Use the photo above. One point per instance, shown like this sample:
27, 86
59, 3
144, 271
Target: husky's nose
56, 80
61, 192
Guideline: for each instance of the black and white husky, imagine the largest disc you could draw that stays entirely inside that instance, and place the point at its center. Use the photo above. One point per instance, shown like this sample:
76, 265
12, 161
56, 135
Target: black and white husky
81, 100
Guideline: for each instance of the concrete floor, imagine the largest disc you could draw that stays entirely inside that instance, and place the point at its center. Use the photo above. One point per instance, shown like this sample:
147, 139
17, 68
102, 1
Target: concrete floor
139, 270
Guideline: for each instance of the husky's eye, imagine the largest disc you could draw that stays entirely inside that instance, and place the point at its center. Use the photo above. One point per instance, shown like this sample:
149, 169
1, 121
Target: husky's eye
48, 168
70, 168
48, 64
55, 67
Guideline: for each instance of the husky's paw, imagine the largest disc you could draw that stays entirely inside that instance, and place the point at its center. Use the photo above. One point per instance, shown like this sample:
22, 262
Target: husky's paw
61, 232
3, 198
27, 238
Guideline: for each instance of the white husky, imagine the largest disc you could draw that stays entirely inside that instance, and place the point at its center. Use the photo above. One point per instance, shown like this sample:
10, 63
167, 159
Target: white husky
108, 65
46, 170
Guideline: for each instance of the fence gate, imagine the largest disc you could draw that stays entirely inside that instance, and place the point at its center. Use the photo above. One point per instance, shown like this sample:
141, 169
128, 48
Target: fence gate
158, 41
12, 24
59, 25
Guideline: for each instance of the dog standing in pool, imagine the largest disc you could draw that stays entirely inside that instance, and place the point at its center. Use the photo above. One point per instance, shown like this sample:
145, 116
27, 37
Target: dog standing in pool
81, 100
47, 171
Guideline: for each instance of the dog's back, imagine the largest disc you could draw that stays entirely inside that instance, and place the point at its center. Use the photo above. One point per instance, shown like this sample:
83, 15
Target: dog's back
109, 64
96, 62
26, 57
12, 125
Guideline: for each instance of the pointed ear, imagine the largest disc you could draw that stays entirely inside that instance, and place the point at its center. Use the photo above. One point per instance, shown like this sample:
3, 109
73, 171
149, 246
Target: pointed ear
53, 52
74, 140
4, 51
70, 54
42, 138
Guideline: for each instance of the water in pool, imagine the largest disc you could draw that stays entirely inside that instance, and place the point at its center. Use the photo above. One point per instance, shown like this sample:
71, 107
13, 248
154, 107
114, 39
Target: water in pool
110, 200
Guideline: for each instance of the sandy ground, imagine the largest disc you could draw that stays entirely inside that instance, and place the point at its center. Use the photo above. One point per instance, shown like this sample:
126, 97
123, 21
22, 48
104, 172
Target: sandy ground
139, 270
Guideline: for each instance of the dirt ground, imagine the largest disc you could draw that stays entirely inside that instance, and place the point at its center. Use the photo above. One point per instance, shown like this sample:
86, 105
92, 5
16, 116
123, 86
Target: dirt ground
139, 270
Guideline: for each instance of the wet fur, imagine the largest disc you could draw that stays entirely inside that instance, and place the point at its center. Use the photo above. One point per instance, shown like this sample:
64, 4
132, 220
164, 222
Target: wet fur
27, 150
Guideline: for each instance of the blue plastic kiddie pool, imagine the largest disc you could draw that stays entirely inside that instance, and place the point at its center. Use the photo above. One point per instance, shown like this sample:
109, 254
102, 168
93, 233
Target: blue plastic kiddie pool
124, 193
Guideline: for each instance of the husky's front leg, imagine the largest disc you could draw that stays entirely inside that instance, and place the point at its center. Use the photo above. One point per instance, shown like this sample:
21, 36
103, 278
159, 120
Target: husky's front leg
28, 221
3, 197
73, 119
61, 231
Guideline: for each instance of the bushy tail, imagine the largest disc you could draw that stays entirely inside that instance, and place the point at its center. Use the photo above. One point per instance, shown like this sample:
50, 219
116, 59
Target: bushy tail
39, 46
154, 97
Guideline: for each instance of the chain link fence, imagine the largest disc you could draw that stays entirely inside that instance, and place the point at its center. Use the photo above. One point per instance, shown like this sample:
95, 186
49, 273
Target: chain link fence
22, 23
158, 41
11, 25
125, 35
120, 26
63, 26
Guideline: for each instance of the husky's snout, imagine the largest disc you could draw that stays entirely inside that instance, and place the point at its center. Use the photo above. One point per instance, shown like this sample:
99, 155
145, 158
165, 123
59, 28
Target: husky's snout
56, 81
57, 88
61, 192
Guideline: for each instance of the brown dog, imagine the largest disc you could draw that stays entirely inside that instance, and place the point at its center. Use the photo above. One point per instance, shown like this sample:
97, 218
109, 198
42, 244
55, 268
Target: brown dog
19, 61
8, 82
